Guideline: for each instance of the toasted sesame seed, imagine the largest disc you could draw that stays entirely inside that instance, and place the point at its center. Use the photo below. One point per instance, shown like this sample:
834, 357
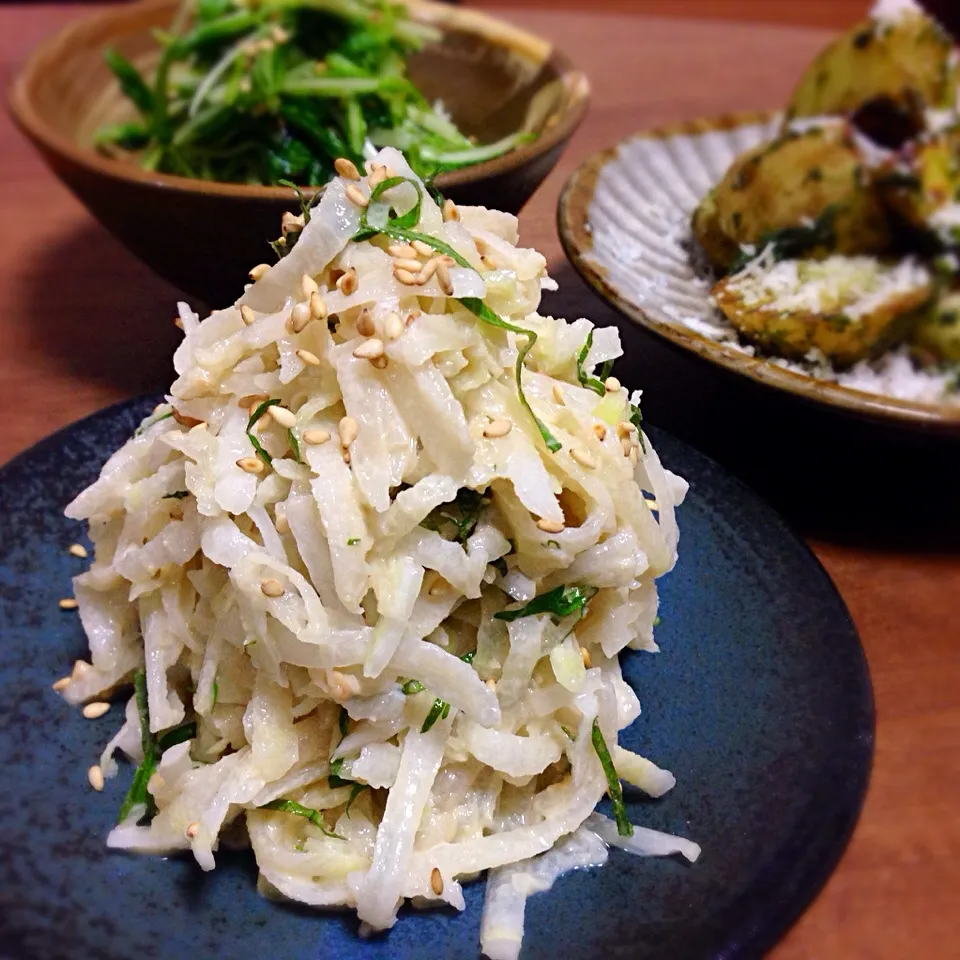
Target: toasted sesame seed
411, 316
247, 315
370, 349
281, 522
251, 465
289, 223
186, 421
192, 830
436, 880
407, 278
283, 416
611, 384
481, 245
80, 667
392, 326
68, 603
155, 783
487, 263
271, 588
96, 709
365, 326
310, 359
356, 196
438, 586
346, 168
551, 526
300, 316
558, 393
423, 248
259, 271
497, 428
348, 429
251, 400
444, 278
77, 550
95, 777
450, 211
625, 428
315, 437
377, 177
491, 683
585, 654
600, 431
346, 456
347, 284
61, 684
428, 270
583, 458
408, 263
402, 250
380, 363
308, 286
634, 455
178, 322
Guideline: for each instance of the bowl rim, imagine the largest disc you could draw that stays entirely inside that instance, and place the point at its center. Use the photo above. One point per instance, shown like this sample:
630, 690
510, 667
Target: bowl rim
573, 209
493, 30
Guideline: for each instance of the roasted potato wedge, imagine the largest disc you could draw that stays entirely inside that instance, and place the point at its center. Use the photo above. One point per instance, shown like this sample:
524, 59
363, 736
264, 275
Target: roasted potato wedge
936, 337
883, 74
796, 180
848, 308
922, 184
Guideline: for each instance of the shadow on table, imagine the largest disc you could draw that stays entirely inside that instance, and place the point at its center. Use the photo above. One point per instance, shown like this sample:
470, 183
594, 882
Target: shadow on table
101, 313
834, 477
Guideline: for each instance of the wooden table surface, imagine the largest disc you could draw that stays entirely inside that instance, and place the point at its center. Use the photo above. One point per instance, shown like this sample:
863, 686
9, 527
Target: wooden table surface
83, 325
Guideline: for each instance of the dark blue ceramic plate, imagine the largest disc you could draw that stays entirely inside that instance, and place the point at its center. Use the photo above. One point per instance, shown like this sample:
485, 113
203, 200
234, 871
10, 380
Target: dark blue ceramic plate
760, 703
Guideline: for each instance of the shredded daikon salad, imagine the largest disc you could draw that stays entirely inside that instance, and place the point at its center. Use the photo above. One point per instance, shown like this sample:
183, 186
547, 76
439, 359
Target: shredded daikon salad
370, 569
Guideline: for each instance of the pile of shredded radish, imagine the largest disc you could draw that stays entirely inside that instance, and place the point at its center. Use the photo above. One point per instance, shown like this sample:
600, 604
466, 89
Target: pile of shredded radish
371, 570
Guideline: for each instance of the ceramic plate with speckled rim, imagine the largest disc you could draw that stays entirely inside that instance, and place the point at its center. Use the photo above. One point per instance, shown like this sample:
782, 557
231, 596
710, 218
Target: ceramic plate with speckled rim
623, 218
759, 702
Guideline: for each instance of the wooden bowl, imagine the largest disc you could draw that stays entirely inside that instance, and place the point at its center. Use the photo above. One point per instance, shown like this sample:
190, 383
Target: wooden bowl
204, 236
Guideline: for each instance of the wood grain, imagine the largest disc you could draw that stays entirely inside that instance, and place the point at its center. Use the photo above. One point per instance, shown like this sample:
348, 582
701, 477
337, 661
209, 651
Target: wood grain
83, 325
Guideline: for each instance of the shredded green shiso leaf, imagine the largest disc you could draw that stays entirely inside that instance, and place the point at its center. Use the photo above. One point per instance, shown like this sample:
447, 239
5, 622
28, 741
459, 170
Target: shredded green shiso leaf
262, 91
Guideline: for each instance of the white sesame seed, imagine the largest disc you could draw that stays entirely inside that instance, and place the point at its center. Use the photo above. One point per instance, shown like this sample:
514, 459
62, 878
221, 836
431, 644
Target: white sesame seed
247, 315
61, 684
436, 881
348, 429
423, 248
356, 196
251, 465
96, 709
585, 655
77, 550
450, 211
380, 363
392, 326
402, 250
281, 522
186, 421
308, 286
192, 830
377, 177
625, 428
438, 586
611, 384
370, 349
95, 777
407, 278
271, 588
300, 316
251, 400
365, 326
444, 278
491, 683
600, 431
558, 393
346, 168
407, 263
346, 455
347, 284
551, 526
411, 316
318, 309
310, 359
68, 603
283, 416
315, 437
497, 428
583, 458
289, 223
259, 271
428, 270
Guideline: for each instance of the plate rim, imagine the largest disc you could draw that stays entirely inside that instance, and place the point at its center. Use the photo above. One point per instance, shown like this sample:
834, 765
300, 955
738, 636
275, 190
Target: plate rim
815, 845
573, 228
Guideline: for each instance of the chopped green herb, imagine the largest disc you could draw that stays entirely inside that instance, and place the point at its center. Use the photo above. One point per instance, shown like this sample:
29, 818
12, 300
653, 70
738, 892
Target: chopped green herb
568, 732
150, 423
411, 687
170, 738
215, 692
254, 417
636, 418
314, 816
353, 541
624, 826
656, 620
294, 445
592, 383
458, 518
468, 657
439, 711
335, 780
355, 792
500, 565
177, 495
560, 602
555, 544
343, 723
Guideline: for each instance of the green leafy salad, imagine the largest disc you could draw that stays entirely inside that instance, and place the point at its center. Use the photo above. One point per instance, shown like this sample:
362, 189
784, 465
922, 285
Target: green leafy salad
258, 91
